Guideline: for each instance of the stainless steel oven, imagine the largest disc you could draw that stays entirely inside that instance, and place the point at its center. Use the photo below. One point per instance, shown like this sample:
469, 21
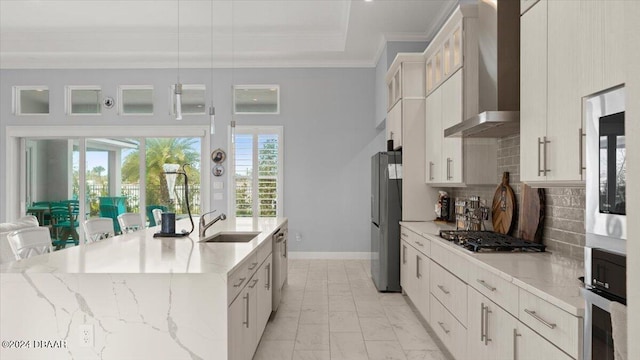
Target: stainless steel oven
609, 285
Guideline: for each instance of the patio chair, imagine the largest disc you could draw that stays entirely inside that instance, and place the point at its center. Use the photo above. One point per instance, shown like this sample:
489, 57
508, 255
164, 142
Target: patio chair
97, 229
111, 212
64, 224
130, 222
29, 242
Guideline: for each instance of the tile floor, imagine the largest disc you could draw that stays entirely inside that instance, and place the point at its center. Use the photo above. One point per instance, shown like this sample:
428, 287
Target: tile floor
330, 309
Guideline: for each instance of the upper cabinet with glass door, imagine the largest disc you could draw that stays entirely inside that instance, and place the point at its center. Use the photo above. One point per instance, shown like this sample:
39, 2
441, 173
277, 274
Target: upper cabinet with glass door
193, 99
136, 100
256, 99
445, 53
31, 100
84, 100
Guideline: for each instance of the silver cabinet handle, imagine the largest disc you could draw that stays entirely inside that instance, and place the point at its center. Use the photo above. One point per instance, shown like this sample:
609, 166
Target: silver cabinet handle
418, 275
404, 234
537, 317
443, 328
515, 344
255, 281
486, 324
449, 161
285, 248
484, 283
482, 335
246, 298
404, 254
267, 285
253, 266
241, 280
544, 159
539, 143
419, 243
430, 170
581, 135
443, 289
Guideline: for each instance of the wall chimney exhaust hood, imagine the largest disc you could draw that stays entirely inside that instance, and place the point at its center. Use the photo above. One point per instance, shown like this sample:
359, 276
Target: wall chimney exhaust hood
498, 73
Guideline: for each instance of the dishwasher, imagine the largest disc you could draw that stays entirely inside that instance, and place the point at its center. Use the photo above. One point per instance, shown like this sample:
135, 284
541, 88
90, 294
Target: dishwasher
280, 264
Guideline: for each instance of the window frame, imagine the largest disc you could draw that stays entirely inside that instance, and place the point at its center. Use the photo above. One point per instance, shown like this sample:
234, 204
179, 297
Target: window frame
17, 105
231, 189
172, 99
123, 88
69, 99
257, 87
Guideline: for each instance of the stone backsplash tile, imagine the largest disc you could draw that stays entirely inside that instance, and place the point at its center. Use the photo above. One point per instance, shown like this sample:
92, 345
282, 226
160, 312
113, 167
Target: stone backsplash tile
563, 230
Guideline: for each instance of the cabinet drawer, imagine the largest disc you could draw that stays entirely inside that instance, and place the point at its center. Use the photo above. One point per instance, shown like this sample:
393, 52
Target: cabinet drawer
558, 326
448, 329
240, 277
451, 292
417, 241
494, 287
265, 250
451, 261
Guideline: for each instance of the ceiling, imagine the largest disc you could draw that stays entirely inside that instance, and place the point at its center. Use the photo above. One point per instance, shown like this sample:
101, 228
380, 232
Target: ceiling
245, 33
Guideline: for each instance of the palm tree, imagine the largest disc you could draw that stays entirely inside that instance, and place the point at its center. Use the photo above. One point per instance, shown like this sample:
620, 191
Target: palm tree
162, 151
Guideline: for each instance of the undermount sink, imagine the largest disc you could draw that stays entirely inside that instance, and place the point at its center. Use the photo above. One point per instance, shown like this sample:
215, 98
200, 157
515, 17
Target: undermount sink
232, 237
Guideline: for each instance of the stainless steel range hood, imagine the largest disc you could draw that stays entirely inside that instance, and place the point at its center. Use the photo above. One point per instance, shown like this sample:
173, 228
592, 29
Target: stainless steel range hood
498, 73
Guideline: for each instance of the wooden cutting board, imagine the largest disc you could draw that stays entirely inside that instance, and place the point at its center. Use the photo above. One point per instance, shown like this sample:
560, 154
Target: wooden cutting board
503, 207
531, 220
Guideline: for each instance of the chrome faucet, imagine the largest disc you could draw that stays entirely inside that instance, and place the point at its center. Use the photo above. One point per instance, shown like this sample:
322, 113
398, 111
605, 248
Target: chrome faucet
204, 226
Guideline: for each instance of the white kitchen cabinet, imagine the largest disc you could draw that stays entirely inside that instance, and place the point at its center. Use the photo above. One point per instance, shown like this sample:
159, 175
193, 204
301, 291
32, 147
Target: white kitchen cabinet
263, 296
564, 114
449, 330
529, 345
526, 5
533, 90
394, 125
489, 328
242, 326
404, 265
451, 115
434, 137
614, 42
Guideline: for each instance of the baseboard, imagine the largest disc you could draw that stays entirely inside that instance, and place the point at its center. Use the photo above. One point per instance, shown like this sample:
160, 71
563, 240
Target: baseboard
331, 255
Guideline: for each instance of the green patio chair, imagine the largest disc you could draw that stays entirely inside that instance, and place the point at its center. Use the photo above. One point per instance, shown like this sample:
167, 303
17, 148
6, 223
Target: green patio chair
111, 212
64, 224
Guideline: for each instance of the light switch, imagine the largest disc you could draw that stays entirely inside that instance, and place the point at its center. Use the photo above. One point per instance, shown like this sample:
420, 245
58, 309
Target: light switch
217, 196
218, 185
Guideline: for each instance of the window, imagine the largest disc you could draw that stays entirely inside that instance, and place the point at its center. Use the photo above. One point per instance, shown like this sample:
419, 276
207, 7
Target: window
31, 100
256, 99
193, 102
257, 171
136, 100
84, 100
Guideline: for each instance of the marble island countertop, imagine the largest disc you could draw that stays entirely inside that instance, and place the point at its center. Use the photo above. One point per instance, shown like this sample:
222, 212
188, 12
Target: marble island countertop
139, 252
550, 276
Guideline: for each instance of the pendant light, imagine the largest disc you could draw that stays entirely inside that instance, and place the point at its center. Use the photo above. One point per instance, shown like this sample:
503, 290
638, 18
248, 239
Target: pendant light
178, 85
212, 109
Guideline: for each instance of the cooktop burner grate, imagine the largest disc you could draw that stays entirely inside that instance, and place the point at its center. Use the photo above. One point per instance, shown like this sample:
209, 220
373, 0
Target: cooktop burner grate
485, 241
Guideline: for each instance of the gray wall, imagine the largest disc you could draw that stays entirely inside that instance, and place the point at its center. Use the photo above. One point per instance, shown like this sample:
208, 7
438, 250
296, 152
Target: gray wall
328, 137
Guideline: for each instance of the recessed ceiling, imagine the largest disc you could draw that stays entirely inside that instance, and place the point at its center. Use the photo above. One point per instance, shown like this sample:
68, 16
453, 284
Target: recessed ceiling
244, 33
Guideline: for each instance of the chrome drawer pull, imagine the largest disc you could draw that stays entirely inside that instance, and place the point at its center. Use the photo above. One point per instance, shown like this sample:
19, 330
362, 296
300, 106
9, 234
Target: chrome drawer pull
482, 335
246, 323
515, 344
255, 281
253, 266
240, 282
483, 283
443, 328
537, 317
404, 234
443, 289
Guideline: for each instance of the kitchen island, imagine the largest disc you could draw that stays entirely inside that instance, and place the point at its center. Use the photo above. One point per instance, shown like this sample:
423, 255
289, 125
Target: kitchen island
141, 297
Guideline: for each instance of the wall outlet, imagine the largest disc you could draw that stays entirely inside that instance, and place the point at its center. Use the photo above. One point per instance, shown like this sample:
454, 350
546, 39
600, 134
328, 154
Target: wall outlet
86, 335
298, 237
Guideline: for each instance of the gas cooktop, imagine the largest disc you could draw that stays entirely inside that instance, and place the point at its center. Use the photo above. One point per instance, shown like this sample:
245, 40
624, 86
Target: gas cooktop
489, 241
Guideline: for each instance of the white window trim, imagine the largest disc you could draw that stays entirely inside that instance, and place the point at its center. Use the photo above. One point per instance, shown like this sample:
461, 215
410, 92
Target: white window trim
121, 90
231, 190
259, 87
15, 188
69, 91
17, 106
172, 99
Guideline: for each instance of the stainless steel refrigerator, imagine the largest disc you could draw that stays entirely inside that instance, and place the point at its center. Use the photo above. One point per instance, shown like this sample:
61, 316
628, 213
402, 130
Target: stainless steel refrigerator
386, 213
